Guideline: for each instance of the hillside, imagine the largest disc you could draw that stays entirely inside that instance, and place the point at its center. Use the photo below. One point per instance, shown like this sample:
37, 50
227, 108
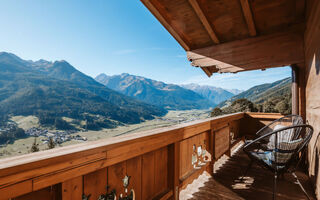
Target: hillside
154, 92
56, 89
261, 93
214, 94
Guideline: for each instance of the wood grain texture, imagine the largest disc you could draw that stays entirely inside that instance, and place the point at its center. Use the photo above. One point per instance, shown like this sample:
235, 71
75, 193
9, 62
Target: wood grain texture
15, 190
222, 141
312, 81
248, 16
95, 183
72, 188
273, 50
48, 193
148, 178
204, 20
176, 33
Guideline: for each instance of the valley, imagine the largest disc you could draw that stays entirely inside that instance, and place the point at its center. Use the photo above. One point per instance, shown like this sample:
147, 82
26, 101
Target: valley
23, 146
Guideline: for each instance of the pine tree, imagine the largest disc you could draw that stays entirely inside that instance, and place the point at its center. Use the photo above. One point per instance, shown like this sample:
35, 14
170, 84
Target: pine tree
35, 146
51, 143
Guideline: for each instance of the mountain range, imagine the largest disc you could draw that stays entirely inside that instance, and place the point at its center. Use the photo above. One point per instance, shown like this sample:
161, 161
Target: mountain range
57, 88
261, 93
214, 94
169, 96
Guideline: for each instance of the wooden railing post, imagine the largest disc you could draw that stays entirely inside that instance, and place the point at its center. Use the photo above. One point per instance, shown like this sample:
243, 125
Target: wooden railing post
210, 168
174, 169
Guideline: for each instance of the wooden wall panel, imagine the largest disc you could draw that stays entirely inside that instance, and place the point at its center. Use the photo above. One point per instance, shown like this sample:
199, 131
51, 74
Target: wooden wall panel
72, 189
115, 175
148, 189
312, 64
222, 141
134, 170
48, 193
161, 170
95, 183
186, 150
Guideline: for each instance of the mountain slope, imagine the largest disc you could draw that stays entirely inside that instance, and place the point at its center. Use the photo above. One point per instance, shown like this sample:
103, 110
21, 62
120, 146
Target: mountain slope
214, 94
28, 88
261, 93
154, 92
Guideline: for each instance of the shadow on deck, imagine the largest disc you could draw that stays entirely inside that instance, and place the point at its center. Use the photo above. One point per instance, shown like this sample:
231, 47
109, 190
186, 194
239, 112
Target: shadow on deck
257, 185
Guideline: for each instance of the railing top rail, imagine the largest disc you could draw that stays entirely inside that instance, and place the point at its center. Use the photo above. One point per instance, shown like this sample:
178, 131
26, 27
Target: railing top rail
103, 145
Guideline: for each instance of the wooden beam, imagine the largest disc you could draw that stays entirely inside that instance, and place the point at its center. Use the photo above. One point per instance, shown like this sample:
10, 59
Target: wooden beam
196, 7
248, 16
153, 9
295, 90
274, 50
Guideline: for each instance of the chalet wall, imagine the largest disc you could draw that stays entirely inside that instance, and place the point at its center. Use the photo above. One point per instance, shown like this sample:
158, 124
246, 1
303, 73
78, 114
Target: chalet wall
312, 63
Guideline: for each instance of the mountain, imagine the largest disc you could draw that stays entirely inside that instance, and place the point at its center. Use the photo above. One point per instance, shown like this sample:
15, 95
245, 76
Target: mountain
214, 94
58, 89
154, 92
261, 93
234, 91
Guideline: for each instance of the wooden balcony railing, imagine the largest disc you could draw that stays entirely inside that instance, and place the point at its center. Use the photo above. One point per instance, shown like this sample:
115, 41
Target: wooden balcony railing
158, 162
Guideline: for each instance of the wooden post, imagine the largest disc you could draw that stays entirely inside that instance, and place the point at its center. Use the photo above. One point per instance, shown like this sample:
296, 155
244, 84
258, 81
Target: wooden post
295, 90
174, 169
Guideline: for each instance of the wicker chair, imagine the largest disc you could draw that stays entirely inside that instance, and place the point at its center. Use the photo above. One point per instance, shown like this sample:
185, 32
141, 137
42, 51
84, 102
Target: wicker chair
277, 148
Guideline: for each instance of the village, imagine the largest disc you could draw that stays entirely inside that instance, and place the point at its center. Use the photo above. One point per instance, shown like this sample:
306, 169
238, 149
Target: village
58, 137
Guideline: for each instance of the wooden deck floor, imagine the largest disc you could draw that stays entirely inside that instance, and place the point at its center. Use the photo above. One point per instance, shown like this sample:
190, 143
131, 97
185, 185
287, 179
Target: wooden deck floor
257, 185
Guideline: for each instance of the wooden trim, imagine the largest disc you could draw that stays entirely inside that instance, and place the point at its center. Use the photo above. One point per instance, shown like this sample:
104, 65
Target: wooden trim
246, 9
264, 115
273, 50
196, 7
166, 24
16, 190
295, 90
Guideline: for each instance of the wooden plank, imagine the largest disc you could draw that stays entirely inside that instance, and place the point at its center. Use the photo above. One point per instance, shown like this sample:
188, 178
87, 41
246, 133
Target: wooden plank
248, 16
95, 183
174, 32
295, 90
148, 181
48, 193
161, 170
72, 188
196, 7
274, 50
135, 171
176, 180
222, 142
16, 190
53, 168
116, 173
51, 179
264, 115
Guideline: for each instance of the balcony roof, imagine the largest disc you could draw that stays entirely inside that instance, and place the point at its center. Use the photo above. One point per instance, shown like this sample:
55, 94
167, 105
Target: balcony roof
235, 35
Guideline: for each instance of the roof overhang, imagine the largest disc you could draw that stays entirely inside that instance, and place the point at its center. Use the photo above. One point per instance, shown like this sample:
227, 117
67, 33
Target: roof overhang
235, 35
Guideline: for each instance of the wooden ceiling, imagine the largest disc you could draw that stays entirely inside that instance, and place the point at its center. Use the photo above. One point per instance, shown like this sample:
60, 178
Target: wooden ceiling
235, 35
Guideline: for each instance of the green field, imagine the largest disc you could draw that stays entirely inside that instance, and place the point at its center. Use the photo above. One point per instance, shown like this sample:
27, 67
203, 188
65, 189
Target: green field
22, 146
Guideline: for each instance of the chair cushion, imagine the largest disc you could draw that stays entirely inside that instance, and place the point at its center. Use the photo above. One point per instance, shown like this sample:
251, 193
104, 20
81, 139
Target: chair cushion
283, 136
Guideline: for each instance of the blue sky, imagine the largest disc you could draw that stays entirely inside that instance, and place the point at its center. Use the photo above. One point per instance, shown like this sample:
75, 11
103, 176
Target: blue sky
108, 36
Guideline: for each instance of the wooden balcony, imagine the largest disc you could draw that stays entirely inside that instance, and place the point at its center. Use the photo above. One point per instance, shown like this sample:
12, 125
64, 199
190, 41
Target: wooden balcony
159, 163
